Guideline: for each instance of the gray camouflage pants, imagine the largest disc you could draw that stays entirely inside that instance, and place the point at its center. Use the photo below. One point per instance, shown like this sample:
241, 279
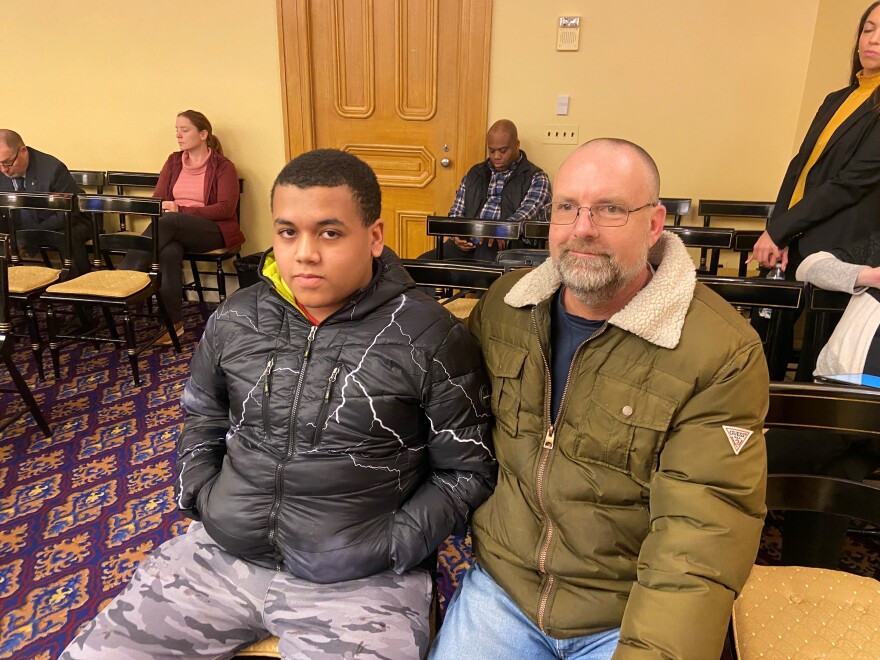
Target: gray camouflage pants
190, 598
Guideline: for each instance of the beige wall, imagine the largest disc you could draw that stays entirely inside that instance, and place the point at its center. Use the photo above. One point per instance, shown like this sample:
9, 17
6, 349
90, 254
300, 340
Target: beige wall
711, 88
98, 84
830, 57
718, 91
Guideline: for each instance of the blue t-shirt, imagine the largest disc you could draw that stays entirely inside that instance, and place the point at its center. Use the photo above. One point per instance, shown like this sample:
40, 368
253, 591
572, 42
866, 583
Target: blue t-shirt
567, 332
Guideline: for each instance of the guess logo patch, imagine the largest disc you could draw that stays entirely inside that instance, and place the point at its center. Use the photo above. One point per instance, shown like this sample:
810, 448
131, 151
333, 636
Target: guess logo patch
737, 437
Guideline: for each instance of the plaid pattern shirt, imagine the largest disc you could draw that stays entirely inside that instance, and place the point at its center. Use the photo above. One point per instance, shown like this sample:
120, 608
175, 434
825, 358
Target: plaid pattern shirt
530, 209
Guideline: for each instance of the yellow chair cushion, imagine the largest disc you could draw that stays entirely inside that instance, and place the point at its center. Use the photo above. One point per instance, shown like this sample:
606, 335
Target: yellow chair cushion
23, 279
265, 647
796, 612
104, 283
461, 307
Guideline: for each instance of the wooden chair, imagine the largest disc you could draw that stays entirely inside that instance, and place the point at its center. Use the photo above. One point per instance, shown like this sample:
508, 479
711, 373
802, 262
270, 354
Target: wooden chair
536, 230
836, 408
710, 208
442, 227
125, 180
676, 208
814, 612
521, 258
711, 239
799, 612
217, 257
89, 179
114, 289
26, 282
746, 293
457, 279
21, 387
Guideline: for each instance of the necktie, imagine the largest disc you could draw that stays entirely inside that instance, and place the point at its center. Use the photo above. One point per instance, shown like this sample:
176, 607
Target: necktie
18, 182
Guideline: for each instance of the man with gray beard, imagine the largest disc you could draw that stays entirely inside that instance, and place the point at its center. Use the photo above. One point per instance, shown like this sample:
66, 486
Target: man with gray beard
629, 402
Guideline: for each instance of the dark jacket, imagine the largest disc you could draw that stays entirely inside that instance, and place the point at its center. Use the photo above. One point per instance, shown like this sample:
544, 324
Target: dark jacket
338, 450
634, 509
45, 174
476, 183
841, 201
221, 193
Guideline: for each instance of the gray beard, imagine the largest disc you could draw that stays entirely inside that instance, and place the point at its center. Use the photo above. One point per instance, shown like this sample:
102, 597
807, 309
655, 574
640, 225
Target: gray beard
597, 281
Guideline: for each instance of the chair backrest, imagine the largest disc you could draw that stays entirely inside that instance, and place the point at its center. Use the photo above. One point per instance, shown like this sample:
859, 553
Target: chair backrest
89, 179
470, 277
733, 209
822, 494
442, 226
123, 180
51, 202
536, 230
521, 258
750, 292
148, 206
837, 408
676, 208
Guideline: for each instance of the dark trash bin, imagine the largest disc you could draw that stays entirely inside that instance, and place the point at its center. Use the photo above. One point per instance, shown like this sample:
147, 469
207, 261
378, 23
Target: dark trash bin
248, 269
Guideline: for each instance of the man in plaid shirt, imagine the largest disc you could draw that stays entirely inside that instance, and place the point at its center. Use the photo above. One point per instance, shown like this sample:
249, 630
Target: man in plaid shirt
506, 186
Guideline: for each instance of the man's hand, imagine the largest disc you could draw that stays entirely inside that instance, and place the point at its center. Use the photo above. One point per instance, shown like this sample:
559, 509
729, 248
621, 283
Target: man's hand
767, 253
869, 277
464, 244
170, 207
502, 244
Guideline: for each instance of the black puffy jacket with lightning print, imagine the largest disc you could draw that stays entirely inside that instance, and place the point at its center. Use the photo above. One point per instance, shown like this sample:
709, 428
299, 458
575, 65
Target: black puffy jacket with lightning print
340, 450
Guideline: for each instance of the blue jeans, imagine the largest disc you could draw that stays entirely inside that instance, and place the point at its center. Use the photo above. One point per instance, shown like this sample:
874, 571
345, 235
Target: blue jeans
482, 622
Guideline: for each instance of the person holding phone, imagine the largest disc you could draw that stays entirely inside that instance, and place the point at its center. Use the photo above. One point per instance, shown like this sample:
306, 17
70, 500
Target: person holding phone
506, 186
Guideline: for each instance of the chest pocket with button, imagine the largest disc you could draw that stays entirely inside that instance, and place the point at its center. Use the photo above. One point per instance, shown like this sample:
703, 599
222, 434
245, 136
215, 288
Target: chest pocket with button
624, 427
505, 363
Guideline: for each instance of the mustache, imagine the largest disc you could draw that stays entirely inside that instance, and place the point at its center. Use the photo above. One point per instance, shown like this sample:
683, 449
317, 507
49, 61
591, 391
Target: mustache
579, 245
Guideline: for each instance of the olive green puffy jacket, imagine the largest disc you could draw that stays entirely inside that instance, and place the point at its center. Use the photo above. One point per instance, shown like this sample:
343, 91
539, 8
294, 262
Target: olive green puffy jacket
638, 508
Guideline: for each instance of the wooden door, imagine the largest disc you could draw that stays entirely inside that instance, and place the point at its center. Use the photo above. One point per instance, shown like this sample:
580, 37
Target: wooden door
402, 84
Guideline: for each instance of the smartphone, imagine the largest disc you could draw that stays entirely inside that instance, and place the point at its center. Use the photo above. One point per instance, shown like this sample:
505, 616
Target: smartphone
866, 380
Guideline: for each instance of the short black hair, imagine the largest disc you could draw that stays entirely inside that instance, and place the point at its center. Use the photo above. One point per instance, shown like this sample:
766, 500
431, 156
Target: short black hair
331, 168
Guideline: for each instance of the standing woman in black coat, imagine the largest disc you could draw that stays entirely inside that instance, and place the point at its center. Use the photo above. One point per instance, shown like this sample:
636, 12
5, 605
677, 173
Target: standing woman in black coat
830, 196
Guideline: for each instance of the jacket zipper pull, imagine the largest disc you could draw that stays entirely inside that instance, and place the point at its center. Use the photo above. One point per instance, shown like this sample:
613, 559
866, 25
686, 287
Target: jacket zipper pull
548, 439
267, 385
330, 382
309, 343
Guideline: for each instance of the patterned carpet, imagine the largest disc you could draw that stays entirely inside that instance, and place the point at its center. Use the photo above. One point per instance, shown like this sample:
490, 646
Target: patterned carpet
80, 510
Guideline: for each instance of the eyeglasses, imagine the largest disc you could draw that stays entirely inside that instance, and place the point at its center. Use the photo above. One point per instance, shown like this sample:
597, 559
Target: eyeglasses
601, 215
6, 164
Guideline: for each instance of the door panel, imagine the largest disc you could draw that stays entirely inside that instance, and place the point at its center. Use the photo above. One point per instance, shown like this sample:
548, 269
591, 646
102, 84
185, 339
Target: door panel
401, 84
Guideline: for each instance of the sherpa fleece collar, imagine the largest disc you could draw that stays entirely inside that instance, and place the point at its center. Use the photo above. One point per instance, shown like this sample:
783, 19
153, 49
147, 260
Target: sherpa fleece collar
656, 313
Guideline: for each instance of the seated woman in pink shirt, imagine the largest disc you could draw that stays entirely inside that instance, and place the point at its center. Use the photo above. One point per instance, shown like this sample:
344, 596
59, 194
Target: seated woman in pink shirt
199, 189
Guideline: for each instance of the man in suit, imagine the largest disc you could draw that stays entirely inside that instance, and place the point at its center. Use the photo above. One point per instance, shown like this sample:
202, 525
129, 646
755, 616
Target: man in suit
28, 170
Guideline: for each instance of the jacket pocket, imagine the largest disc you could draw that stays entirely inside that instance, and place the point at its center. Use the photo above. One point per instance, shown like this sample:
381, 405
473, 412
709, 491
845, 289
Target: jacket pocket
505, 364
624, 427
